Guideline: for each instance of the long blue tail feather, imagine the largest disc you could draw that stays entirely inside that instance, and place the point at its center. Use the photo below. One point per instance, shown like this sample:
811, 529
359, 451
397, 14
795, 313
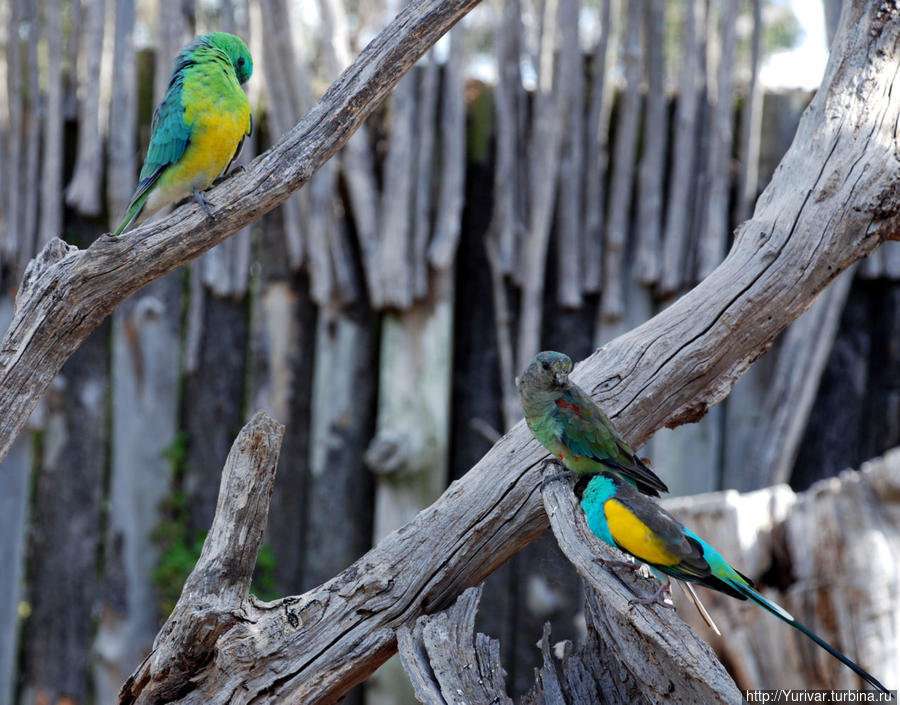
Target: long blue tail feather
786, 617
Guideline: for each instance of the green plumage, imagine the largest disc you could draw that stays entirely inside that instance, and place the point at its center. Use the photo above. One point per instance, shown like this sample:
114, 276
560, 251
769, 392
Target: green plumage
198, 127
629, 521
570, 425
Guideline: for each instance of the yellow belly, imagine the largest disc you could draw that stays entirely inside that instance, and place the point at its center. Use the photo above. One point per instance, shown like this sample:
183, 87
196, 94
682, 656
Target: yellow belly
218, 112
635, 536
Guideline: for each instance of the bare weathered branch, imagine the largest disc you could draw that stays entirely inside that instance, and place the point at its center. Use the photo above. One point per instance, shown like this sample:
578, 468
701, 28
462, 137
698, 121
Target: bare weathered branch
215, 592
448, 662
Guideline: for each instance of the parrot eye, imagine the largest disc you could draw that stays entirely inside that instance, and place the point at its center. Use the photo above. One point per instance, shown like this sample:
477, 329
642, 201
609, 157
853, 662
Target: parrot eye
545, 365
240, 61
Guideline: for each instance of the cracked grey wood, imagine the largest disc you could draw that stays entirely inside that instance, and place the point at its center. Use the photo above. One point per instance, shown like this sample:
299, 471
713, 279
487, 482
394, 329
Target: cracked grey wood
448, 662
215, 592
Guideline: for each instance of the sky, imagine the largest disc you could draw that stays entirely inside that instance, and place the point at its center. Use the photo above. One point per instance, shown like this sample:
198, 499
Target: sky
803, 66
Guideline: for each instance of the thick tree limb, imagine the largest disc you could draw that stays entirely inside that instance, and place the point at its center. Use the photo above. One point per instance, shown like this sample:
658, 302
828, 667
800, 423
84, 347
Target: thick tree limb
215, 592
67, 292
448, 662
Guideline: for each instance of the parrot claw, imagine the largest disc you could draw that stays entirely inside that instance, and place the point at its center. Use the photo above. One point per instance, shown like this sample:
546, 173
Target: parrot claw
547, 479
204, 204
630, 565
657, 598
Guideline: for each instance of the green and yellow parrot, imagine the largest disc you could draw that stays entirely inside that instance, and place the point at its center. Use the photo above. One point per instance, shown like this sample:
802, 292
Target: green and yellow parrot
572, 427
629, 521
199, 126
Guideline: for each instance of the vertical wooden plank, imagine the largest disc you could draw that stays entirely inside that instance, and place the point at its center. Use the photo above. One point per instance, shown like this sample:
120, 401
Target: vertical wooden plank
603, 66
278, 51
395, 256
802, 357
282, 344
4, 126
146, 341
213, 395
424, 169
543, 160
409, 452
30, 185
715, 237
680, 193
50, 225
448, 220
569, 225
651, 173
751, 125
509, 116
618, 222
355, 158
63, 590
83, 191
14, 510
854, 415
121, 165
14, 158
174, 30
342, 423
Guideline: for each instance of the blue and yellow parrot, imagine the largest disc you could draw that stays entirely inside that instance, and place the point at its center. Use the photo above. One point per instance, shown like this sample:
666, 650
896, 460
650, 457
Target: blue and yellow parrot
625, 519
570, 425
199, 126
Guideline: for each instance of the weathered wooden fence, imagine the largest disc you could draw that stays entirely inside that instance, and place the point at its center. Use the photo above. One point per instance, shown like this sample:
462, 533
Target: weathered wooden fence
383, 311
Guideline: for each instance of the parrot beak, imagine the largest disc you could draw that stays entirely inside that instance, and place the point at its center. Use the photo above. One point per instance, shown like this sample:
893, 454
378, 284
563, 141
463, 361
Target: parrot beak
562, 378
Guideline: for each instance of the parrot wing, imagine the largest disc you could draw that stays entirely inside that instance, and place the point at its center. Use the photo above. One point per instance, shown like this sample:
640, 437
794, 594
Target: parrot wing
169, 137
588, 432
642, 528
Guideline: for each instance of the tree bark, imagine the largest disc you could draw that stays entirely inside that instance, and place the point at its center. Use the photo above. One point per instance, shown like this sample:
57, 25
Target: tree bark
448, 662
220, 581
667, 371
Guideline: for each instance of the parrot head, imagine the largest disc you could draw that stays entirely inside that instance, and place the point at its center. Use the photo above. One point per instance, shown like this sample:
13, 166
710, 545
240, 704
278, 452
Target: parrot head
547, 374
236, 50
